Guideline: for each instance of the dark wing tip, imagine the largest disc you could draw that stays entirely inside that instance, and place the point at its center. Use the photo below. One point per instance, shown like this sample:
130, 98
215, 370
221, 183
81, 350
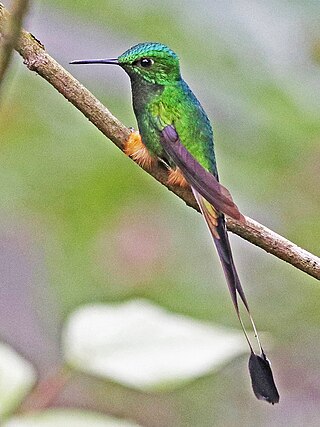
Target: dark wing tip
242, 218
230, 208
262, 380
232, 211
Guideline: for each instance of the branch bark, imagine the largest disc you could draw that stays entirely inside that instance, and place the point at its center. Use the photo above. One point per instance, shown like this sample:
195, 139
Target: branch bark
37, 59
10, 34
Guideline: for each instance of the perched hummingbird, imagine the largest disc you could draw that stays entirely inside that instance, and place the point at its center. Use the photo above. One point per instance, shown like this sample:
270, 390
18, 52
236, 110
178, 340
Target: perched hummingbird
175, 129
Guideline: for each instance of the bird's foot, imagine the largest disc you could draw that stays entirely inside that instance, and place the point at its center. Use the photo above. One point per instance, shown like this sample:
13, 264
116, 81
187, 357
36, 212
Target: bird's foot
177, 178
135, 148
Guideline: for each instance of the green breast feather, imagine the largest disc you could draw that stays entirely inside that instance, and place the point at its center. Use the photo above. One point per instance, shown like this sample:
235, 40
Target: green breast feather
177, 106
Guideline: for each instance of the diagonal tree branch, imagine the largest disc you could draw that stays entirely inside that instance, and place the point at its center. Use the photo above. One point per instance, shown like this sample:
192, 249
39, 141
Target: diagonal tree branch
37, 59
10, 34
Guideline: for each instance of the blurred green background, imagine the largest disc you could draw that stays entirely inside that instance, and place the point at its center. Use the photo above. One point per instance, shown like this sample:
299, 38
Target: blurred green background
79, 222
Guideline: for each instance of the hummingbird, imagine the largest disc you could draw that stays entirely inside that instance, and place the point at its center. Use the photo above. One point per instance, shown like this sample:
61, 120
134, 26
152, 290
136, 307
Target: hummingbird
175, 130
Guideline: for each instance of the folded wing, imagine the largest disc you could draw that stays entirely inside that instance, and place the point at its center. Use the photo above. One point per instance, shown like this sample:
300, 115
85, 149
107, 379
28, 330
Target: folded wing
197, 176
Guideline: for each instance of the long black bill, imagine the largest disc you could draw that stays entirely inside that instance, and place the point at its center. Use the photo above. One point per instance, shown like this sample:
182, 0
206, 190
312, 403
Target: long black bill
95, 61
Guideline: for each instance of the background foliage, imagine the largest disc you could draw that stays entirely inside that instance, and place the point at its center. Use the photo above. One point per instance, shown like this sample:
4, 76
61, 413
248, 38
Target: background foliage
81, 223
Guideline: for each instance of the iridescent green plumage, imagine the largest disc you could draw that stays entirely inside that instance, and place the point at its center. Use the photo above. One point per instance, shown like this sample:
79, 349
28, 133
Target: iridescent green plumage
161, 97
175, 128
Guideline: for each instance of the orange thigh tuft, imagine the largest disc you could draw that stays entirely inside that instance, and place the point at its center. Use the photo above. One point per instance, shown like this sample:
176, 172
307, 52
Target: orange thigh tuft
135, 148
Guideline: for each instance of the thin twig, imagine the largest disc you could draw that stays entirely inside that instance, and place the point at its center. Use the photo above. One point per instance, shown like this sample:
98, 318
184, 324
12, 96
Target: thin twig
36, 59
10, 34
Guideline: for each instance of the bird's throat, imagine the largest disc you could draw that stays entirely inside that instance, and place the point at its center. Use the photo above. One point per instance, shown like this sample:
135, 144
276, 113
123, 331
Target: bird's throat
143, 93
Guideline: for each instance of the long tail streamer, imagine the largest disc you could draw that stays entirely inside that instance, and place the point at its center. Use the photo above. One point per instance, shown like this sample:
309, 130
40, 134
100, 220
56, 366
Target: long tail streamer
259, 367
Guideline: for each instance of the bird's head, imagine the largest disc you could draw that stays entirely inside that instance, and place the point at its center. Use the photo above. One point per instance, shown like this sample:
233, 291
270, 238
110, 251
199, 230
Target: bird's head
153, 63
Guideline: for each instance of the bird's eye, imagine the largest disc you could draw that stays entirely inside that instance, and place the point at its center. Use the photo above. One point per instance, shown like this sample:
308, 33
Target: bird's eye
144, 62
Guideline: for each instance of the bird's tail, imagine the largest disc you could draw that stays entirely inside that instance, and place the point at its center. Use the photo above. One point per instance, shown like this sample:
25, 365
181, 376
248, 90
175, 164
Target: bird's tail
260, 371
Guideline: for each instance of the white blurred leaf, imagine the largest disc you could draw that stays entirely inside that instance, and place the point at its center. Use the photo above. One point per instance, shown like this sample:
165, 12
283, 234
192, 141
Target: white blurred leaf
67, 417
17, 377
143, 346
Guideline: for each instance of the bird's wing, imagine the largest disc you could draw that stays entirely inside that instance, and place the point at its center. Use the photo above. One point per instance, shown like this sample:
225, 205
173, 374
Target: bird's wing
197, 176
